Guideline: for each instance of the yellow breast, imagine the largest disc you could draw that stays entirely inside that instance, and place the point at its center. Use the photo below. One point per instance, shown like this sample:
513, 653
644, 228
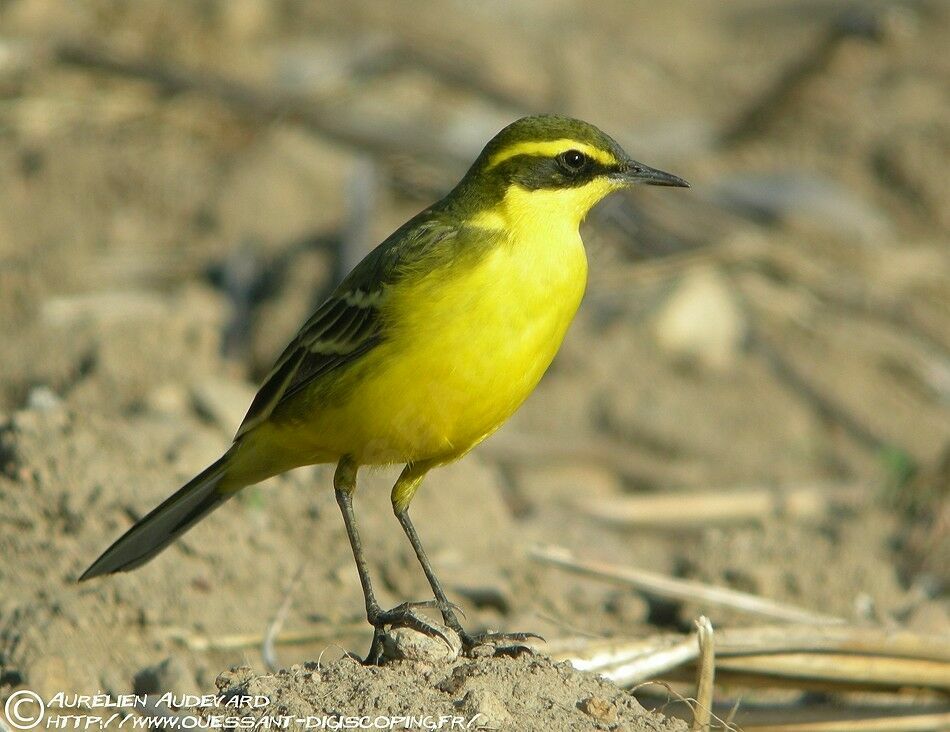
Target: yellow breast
468, 345
465, 345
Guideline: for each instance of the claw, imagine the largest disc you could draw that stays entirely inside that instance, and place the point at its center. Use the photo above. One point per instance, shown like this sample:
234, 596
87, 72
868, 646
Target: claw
453, 607
504, 644
403, 616
512, 651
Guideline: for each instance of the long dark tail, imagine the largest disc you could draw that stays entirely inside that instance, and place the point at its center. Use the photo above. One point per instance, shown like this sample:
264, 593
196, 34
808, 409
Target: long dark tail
178, 513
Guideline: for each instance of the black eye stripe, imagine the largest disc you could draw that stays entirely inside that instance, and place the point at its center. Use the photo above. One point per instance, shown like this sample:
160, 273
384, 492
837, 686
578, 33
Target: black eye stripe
573, 160
537, 170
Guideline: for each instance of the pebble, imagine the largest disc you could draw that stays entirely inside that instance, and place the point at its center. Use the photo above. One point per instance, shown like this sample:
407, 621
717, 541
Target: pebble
42, 399
405, 644
168, 398
603, 710
486, 708
702, 321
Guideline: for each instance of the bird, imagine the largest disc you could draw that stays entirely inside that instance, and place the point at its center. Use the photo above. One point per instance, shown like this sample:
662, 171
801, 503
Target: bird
423, 350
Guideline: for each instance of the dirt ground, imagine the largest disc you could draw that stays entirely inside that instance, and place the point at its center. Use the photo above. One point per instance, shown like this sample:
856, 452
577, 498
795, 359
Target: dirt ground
495, 693
183, 182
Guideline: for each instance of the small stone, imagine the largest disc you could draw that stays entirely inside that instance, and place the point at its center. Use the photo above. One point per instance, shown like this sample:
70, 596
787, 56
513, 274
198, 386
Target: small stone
484, 709
234, 678
406, 644
702, 321
42, 399
455, 681
485, 650
169, 399
603, 710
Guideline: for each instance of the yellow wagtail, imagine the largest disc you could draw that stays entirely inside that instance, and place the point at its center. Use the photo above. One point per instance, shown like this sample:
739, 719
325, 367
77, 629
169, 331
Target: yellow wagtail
426, 348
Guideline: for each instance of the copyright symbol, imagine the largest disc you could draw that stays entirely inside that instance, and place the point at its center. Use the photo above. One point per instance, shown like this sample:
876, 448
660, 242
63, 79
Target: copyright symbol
24, 709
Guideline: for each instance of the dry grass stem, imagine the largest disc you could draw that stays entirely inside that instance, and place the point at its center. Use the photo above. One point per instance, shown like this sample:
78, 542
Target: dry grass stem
702, 508
905, 722
861, 670
702, 712
658, 585
277, 624
814, 657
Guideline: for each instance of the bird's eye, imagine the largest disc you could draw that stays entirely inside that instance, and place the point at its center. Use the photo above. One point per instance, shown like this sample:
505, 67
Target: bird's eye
572, 160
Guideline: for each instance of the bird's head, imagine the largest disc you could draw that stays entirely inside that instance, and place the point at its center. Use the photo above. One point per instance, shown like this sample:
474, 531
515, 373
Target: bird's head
551, 166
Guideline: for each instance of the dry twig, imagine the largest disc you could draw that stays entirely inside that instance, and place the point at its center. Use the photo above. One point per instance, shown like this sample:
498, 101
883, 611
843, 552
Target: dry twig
864, 721
702, 712
701, 508
799, 656
277, 624
658, 585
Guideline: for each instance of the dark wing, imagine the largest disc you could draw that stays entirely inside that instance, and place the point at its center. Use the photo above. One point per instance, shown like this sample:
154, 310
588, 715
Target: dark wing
345, 327
349, 323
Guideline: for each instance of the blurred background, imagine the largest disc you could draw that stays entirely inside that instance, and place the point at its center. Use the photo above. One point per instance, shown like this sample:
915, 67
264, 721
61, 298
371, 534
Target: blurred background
755, 394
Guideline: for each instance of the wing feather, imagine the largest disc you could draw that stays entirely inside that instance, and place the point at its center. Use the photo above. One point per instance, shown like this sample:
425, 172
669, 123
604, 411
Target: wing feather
342, 333
349, 323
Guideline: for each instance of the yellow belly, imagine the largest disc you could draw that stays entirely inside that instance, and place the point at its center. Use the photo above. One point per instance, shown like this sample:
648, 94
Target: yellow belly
463, 346
466, 361
462, 352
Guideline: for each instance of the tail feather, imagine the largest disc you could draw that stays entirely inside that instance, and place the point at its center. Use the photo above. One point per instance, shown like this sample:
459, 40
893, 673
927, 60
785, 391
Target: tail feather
172, 518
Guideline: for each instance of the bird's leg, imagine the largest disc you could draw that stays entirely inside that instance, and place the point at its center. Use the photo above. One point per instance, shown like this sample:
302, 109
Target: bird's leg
344, 482
403, 491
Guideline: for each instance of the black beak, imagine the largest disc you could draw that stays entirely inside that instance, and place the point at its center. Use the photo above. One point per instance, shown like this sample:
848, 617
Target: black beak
635, 172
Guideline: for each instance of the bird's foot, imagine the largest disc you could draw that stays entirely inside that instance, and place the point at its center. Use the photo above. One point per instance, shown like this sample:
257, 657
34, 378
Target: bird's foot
497, 644
405, 615
479, 644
